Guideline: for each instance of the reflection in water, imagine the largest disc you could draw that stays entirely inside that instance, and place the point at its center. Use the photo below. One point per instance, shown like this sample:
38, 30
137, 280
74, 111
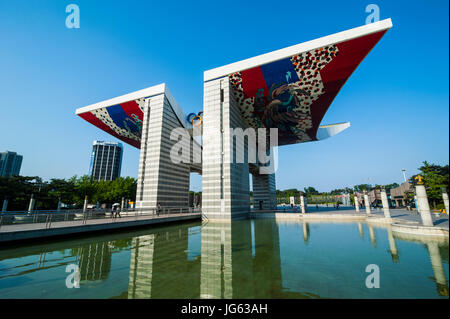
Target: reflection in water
438, 268
305, 227
216, 261
244, 259
392, 245
435, 247
94, 261
141, 267
161, 265
360, 230
239, 263
373, 240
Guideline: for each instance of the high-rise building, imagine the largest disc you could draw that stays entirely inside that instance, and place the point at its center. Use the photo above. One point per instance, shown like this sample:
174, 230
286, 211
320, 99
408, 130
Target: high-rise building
106, 160
10, 163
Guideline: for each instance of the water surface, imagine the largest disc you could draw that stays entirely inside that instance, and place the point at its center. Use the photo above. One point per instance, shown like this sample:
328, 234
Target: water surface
260, 258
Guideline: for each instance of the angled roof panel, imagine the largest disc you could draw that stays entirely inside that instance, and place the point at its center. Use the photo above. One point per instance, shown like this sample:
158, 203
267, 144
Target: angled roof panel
292, 88
123, 116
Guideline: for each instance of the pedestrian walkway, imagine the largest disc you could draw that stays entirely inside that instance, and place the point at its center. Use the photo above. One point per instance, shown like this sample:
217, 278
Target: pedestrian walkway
16, 232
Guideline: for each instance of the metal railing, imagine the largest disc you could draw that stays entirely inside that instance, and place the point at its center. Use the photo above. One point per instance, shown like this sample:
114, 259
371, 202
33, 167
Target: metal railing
47, 217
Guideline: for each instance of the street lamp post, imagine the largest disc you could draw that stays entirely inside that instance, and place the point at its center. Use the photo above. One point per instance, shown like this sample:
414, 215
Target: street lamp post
404, 174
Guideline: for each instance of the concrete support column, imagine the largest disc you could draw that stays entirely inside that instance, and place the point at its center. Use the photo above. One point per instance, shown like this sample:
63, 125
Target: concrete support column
31, 205
225, 180
58, 208
122, 204
385, 202
292, 201
302, 204
356, 203
367, 203
445, 198
264, 190
424, 207
415, 202
85, 203
165, 157
5, 205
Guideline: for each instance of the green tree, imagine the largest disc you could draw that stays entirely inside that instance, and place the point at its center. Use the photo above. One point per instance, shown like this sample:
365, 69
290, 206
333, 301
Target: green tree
436, 177
62, 189
310, 191
361, 187
18, 190
84, 186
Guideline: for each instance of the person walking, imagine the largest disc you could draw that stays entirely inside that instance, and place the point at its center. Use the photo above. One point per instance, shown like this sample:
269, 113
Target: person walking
158, 211
116, 210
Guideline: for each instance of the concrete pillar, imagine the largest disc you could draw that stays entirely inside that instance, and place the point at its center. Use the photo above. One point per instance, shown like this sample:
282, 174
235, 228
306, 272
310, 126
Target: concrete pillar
264, 190
58, 208
445, 198
292, 201
385, 202
415, 202
424, 207
122, 204
85, 203
302, 204
5, 205
356, 203
163, 179
367, 203
225, 182
31, 205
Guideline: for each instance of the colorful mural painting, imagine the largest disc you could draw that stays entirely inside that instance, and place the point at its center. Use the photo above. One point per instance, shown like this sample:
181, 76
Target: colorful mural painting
293, 94
123, 121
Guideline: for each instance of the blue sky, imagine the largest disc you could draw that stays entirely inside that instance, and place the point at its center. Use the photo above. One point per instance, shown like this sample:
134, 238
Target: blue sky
397, 100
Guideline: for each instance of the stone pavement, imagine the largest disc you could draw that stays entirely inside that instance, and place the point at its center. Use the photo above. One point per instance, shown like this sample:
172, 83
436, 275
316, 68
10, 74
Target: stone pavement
440, 220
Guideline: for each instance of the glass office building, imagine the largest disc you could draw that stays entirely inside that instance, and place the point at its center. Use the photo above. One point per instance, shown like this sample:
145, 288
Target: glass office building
106, 160
10, 163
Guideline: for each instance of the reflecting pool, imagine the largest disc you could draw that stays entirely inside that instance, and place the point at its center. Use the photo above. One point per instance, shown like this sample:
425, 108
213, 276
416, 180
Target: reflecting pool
261, 258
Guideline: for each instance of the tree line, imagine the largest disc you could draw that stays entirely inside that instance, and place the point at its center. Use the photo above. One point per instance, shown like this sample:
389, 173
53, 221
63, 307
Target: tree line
72, 191
19, 189
436, 177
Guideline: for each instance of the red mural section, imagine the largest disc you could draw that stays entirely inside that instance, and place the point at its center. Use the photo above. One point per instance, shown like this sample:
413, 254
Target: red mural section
293, 94
338, 70
123, 121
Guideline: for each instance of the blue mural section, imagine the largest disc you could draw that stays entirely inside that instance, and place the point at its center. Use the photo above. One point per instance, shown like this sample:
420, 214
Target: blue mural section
122, 120
279, 72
